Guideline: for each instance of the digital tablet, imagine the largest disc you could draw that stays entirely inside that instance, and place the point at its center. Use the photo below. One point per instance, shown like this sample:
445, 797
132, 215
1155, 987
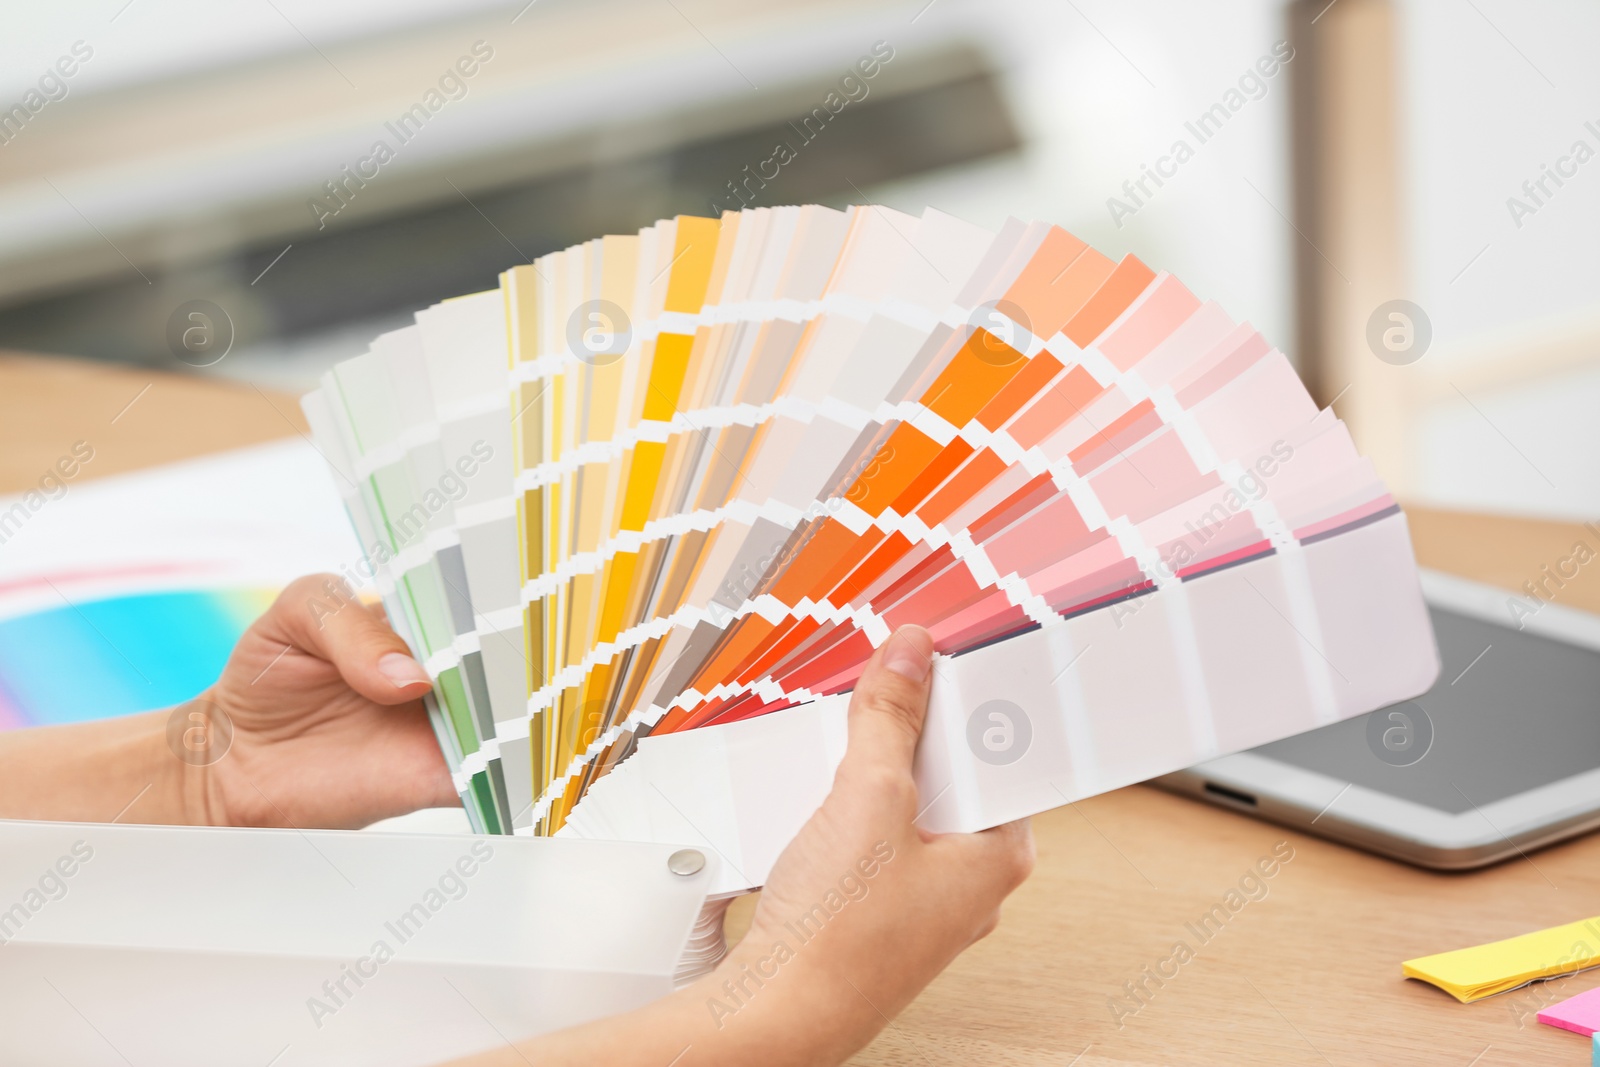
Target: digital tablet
1500, 757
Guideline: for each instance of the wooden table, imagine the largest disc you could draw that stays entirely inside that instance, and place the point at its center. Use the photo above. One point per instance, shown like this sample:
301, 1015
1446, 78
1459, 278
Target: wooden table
1309, 974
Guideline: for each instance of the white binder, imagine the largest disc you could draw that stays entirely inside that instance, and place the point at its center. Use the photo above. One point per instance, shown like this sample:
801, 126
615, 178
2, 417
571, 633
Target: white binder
200, 946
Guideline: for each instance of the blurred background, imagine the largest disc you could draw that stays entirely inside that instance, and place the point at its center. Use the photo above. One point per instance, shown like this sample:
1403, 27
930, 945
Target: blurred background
1436, 152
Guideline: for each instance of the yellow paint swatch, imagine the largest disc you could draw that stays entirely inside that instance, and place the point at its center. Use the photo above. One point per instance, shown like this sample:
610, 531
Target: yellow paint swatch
1470, 974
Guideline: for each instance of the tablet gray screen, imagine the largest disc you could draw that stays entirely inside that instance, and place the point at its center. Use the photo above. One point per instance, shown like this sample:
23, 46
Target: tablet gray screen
1511, 711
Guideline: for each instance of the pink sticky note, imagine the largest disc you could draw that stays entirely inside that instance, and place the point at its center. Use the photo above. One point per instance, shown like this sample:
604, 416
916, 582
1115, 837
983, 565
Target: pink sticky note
1580, 1014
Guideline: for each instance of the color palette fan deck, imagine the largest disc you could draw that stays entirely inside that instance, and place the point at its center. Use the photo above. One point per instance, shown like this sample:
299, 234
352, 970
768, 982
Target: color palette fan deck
645, 510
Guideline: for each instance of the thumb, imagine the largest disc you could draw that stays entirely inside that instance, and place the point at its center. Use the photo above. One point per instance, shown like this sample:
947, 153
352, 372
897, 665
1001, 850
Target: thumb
321, 615
890, 701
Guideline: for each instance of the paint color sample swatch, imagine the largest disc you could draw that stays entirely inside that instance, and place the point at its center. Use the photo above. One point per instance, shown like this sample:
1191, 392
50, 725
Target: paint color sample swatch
1470, 974
665, 492
1580, 1014
127, 593
119, 654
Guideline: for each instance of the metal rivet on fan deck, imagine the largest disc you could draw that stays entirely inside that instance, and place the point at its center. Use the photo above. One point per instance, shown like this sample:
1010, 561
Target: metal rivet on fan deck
686, 861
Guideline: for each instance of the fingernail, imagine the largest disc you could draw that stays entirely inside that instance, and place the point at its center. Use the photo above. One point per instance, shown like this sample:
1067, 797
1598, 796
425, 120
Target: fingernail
402, 670
909, 653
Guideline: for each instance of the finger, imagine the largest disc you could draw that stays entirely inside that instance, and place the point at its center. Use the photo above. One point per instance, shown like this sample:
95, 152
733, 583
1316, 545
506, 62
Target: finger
321, 615
1002, 856
890, 701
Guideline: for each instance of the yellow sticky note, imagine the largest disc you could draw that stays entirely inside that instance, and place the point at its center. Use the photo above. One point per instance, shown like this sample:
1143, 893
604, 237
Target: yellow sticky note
1470, 974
